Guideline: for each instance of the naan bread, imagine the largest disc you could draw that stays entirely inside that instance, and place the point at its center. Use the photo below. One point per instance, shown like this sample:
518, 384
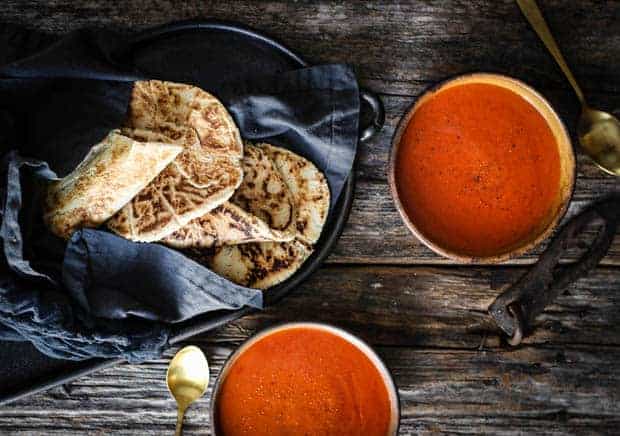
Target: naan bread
309, 188
286, 191
112, 173
264, 192
201, 178
225, 225
260, 265
155, 104
262, 209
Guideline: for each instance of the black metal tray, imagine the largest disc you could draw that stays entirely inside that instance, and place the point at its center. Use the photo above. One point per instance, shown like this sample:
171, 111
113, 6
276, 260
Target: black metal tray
234, 52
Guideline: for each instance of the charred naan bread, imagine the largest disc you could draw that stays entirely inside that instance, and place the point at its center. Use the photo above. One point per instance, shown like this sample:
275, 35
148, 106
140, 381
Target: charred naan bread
227, 224
309, 188
262, 209
155, 104
200, 179
282, 194
112, 173
264, 192
262, 265
259, 265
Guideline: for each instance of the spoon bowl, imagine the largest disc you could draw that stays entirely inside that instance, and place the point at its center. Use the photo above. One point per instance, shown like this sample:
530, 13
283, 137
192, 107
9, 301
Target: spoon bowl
599, 136
599, 132
187, 379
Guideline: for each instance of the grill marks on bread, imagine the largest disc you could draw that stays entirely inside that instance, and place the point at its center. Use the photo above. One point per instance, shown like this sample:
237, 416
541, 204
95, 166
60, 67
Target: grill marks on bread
264, 192
258, 265
309, 188
263, 265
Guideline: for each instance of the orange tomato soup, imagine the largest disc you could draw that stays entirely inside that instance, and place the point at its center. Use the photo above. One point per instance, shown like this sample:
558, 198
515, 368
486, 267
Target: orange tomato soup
303, 381
478, 169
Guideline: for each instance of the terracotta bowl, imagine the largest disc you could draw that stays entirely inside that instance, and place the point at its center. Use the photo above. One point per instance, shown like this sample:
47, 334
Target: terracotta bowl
567, 168
343, 334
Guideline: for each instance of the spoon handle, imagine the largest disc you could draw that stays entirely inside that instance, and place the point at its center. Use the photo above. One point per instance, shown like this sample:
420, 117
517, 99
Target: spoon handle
532, 12
179, 428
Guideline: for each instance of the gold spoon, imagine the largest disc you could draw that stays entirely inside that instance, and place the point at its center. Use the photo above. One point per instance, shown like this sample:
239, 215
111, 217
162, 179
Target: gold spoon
187, 379
599, 132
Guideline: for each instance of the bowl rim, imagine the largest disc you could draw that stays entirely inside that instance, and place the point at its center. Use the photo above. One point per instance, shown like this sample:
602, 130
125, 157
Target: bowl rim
566, 192
349, 337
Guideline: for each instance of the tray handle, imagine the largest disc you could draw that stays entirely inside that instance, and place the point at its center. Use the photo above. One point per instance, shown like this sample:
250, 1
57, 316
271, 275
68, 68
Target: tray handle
371, 125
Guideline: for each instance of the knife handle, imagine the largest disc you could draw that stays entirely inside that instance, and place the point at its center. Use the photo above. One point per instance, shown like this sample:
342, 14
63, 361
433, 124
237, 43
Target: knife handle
515, 310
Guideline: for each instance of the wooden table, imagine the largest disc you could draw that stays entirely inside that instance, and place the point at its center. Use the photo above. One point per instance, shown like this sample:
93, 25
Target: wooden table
416, 308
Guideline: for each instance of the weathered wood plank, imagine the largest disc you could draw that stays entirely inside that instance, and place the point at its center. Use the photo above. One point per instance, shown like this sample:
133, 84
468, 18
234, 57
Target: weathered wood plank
564, 378
439, 307
396, 45
549, 389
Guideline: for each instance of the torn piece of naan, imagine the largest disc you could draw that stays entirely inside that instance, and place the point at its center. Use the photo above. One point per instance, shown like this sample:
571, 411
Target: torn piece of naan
111, 174
309, 188
201, 178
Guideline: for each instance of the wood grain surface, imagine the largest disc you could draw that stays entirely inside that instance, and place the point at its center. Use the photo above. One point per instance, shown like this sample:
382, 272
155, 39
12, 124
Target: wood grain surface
424, 315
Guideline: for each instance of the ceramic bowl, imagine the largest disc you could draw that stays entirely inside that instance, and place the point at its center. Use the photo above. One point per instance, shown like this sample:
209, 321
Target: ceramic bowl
343, 334
567, 168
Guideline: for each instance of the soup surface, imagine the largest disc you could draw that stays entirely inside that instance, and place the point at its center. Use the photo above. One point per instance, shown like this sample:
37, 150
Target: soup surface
303, 381
478, 169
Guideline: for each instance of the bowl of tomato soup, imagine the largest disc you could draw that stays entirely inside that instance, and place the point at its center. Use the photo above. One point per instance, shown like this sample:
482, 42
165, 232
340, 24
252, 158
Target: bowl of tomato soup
482, 168
306, 379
